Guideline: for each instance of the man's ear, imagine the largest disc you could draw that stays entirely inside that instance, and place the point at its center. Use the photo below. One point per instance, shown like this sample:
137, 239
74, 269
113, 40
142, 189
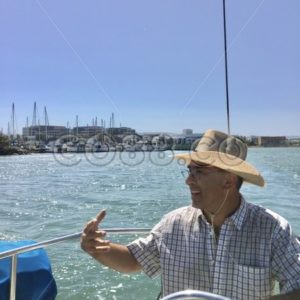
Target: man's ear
229, 181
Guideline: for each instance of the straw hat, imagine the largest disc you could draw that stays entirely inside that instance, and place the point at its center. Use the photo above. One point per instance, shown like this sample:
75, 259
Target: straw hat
225, 152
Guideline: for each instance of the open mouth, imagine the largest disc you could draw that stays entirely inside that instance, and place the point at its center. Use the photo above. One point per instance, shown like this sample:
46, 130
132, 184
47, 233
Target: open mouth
195, 192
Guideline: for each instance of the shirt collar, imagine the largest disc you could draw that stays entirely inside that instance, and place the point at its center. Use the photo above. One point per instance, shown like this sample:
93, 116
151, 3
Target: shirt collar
239, 216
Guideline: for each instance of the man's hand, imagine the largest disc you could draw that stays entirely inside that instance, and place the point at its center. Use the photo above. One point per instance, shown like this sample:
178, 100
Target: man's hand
92, 237
113, 255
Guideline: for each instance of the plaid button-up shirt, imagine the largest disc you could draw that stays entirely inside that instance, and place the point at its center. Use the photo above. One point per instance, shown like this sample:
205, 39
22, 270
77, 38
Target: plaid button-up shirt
255, 248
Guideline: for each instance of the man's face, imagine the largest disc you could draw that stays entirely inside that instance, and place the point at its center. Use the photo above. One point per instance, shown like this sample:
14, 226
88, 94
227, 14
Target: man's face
206, 185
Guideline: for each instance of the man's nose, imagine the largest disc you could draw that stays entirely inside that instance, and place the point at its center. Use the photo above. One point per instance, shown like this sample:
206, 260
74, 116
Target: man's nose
190, 179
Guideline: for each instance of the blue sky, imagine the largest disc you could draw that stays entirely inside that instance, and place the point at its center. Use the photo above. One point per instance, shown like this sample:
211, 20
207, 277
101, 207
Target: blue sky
158, 65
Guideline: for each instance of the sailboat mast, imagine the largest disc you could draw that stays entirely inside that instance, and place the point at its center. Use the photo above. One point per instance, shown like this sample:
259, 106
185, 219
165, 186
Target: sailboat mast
77, 126
13, 120
46, 123
226, 68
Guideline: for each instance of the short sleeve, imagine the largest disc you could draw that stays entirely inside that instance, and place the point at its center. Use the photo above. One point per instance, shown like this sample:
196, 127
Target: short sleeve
286, 259
146, 251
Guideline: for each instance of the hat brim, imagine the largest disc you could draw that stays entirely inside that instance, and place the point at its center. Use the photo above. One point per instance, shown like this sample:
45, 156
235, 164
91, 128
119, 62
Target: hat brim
226, 162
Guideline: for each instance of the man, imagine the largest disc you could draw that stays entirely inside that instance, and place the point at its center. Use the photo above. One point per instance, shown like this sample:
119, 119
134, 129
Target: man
221, 243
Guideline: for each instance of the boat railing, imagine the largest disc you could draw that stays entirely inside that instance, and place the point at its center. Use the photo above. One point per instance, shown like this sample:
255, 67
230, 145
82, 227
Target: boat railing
194, 295
14, 252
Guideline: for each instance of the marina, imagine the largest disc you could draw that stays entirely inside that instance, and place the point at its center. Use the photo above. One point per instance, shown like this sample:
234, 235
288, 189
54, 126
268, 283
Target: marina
43, 198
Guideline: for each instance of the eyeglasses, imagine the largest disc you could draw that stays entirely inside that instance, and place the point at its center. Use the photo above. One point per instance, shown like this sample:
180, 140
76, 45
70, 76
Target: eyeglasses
196, 172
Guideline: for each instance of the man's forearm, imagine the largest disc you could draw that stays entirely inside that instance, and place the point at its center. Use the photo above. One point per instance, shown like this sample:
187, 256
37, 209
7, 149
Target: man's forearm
118, 258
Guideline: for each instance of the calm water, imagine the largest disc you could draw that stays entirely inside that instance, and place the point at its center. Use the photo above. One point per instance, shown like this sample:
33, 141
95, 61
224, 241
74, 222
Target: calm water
46, 196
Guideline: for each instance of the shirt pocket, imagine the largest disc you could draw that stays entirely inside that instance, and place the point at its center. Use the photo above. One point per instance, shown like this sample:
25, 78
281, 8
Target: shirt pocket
254, 283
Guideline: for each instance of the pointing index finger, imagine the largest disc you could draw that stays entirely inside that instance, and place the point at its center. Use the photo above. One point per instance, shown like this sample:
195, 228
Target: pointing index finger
100, 216
93, 224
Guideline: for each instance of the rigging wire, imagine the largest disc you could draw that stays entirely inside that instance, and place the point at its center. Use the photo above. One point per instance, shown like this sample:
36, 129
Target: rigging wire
226, 68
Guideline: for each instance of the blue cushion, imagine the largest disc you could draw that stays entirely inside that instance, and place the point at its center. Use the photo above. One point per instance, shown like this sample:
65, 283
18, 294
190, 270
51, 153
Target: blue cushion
34, 274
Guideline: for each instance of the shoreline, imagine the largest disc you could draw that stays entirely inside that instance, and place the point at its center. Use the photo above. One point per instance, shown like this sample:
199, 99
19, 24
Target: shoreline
14, 151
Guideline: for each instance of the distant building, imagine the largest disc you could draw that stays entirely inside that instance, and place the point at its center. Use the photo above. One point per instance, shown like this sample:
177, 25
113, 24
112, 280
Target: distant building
44, 133
120, 131
87, 131
272, 141
187, 131
186, 141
